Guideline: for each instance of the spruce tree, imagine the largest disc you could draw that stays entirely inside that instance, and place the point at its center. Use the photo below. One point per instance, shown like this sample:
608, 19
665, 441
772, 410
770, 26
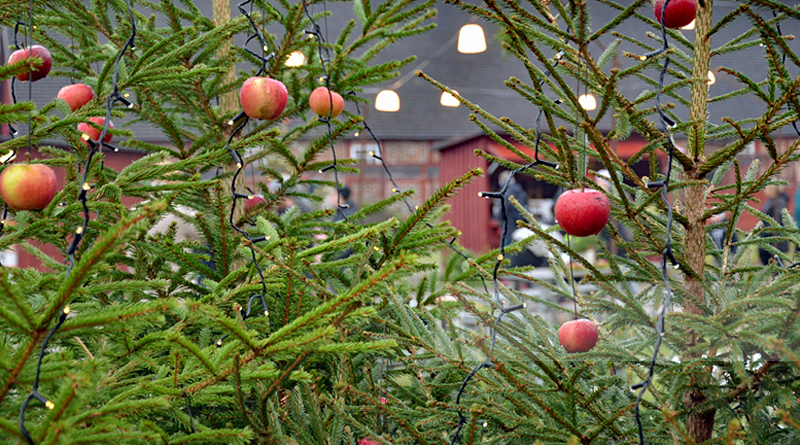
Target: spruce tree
698, 343
244, 334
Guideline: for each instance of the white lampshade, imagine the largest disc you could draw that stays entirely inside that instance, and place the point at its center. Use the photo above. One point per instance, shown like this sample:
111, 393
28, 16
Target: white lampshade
448, 100
387, 100
471, 39
689, 27
587, 101
296, 58
712, 79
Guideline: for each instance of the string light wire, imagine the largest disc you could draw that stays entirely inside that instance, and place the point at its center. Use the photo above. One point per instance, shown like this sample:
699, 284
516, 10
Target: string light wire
242, 120
487, 363
80, 232
323, 60
667, 254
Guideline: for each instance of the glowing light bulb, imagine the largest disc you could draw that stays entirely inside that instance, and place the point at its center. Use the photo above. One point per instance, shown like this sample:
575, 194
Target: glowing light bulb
471, 39
500, 257
387, 100
49, 404
448, 100
86, 186
296, 58
79, 230
712, 79
587, 101
66, 309
689, 27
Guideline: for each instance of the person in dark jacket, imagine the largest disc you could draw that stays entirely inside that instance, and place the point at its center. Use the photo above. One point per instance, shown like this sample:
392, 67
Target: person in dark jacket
516, 190
777, 200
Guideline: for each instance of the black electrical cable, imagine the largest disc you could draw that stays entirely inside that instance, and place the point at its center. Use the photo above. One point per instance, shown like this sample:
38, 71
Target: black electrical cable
487, 363
95, 146
243, 119
667, 254
317, 32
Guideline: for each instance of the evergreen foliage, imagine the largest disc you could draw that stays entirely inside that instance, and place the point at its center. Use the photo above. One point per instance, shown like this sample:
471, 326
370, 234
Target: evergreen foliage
166, 342
727, 371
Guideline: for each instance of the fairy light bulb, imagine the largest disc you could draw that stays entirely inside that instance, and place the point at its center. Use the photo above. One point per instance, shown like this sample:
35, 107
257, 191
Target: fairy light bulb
587, 102
448, 100
296, 58
689, 27
388, 101
471, 39
712, 79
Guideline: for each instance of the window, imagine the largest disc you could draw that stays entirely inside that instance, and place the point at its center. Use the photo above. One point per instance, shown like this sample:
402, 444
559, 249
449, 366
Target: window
361, 152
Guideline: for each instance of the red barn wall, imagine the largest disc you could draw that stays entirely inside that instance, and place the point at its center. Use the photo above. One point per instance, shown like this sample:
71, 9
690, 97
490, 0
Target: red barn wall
469, 213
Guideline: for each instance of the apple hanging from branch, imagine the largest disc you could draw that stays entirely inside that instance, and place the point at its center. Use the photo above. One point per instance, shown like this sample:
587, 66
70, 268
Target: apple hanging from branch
320, 102
27, 186
678, 14
578, 335
77, 95
263, 98
582, 212
35, 71
94, 133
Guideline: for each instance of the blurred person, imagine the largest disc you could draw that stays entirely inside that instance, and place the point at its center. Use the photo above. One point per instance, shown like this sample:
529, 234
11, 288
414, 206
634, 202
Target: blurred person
777, 200
797, 199
603, 179
338, 198
516, 190
720, 232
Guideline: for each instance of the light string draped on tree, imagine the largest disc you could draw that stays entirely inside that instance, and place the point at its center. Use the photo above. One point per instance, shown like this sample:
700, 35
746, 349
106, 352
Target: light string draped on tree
487, 363
323, 60
243, 119
667, 254
450, 243
95, 147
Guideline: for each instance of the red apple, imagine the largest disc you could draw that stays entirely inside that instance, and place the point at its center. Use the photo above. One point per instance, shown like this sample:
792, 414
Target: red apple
320, 102
577, 335
37, 71
368, 441
263, 98
582, 212
250, 203
76, 96
27, 186
94, 133
679, 13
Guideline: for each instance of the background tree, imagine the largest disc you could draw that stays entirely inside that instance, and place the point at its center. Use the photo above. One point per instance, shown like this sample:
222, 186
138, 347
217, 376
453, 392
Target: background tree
727, 369
143, 336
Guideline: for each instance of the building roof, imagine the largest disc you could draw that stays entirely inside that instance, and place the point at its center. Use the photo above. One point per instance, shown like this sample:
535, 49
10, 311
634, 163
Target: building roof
480, 77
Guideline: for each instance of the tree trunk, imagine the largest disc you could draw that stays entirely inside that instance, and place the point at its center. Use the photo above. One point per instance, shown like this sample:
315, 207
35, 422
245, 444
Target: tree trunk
700, 425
